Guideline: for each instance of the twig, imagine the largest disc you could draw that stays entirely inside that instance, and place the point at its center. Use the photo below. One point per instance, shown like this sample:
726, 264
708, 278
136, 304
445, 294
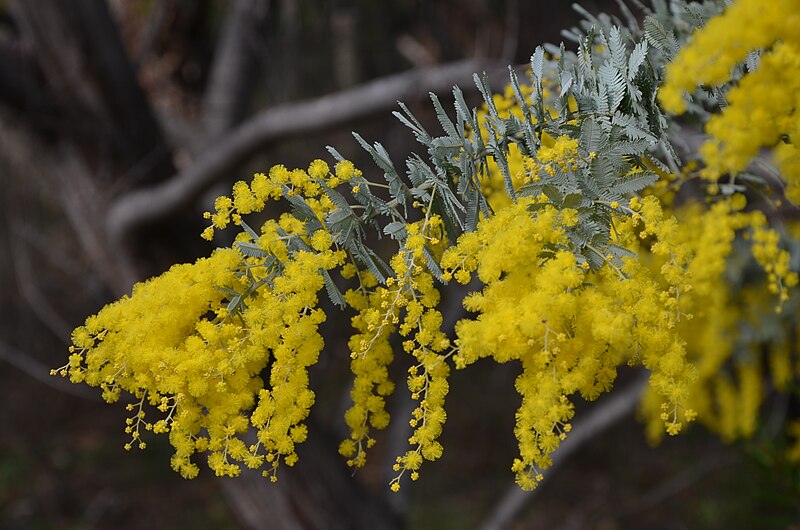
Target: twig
397, 441
62, 174
676, 484
29, 289
30, 366
600, 418
45, 247
279, 123
688, 142
80, 199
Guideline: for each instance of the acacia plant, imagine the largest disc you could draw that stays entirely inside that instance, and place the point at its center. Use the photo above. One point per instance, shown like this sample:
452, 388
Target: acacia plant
591, 228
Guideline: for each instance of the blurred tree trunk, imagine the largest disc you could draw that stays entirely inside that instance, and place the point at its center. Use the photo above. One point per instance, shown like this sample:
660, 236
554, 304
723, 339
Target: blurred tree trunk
316, 494
101, 125
90, 79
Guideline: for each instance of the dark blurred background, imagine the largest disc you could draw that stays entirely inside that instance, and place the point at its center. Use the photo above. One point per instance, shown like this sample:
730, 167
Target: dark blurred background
119, 123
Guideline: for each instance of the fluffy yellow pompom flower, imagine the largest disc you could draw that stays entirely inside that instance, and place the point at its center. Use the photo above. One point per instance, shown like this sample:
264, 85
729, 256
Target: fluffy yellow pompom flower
761, 110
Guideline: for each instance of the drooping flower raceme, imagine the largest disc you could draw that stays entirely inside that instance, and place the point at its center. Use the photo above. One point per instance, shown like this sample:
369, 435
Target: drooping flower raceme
761, 108
568, 229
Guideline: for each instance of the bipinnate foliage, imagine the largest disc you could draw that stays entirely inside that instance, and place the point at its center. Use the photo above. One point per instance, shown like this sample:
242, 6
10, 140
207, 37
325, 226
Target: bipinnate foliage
591, 242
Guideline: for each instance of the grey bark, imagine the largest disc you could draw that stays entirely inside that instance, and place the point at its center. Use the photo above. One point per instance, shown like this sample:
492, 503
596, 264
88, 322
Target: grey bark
151, 204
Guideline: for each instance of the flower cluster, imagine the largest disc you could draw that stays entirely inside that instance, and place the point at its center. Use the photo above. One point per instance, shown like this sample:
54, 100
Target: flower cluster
555, 154
729, 346
727, 392
407, 304
279, 183
582, 269
568, 327
760, 109
371, 356
226, 342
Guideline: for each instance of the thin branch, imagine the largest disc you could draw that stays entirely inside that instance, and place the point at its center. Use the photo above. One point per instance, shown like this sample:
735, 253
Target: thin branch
63, 176
688, 142
47, 248
400, 430
33, 295
82, 201
600, 418
38, 371
231, 78
148, 205
677, 483
397, 443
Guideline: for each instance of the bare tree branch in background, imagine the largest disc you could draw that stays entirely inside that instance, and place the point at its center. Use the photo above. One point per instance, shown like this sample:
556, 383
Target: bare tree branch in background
344, 29
599, 418
82, 58
68, 184
36, 299
231, 80
148, 205
677, 483
41, 373
689, 140
83, 203
289, 43
511, 34
57, 255
317, 494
